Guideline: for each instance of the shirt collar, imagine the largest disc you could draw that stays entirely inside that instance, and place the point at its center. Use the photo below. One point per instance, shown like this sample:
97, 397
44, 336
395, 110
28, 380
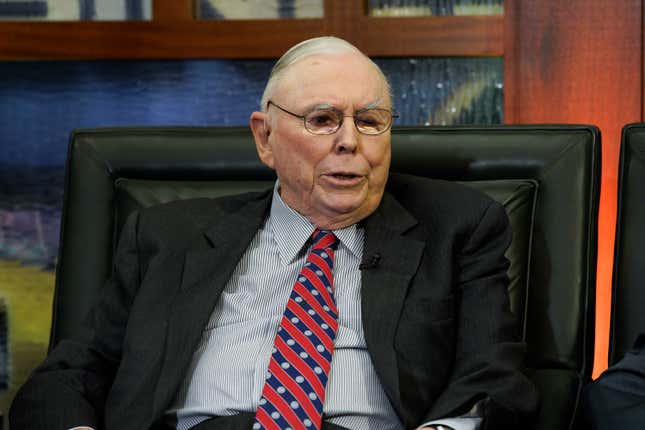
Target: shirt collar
291, 231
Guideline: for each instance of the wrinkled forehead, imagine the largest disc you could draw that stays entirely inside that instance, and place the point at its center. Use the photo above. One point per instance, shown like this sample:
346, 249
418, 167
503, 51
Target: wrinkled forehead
333, 72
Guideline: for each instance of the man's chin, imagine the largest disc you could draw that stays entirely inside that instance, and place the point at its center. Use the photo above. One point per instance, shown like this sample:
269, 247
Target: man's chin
342, 214
343, 208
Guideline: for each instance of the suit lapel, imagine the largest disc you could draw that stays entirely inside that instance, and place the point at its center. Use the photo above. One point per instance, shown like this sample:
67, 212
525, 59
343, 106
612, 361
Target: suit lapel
384, 287
207, 269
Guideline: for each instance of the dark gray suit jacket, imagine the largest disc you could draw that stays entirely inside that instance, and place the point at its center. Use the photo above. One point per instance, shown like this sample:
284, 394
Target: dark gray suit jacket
616, 400
435, 311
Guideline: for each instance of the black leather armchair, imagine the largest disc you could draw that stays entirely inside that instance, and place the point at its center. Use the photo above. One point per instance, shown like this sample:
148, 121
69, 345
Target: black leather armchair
546, 176
628, 287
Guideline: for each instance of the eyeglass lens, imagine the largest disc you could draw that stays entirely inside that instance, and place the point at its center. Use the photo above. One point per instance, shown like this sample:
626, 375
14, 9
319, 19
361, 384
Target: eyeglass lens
327, 121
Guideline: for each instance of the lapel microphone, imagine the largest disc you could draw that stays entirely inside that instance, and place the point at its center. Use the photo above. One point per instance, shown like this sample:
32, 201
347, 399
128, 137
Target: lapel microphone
370, 262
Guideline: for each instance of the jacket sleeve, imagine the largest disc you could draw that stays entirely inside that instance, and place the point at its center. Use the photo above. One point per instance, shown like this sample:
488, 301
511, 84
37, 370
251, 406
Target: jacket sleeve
489, 356
70, 388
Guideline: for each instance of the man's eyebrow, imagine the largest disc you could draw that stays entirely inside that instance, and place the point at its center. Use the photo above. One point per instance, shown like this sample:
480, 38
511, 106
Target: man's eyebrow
371, 105
321, 106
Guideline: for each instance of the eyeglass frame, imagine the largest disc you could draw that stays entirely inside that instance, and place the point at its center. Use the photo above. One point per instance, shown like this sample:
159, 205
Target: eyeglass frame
393, 115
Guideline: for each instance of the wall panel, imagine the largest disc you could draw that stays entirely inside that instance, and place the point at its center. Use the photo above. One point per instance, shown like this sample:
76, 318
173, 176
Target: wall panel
579, 61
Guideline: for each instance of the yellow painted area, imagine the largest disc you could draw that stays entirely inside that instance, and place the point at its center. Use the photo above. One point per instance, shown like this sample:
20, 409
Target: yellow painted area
461, 99
28, 293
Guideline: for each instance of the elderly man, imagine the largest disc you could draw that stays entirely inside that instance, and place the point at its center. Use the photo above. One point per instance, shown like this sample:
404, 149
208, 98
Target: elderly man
331, 301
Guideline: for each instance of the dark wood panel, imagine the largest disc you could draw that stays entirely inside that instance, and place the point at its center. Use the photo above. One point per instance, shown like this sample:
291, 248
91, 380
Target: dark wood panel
173, 10
341, 19
579, 61
512, 43
433, 36
153, 40
179, 38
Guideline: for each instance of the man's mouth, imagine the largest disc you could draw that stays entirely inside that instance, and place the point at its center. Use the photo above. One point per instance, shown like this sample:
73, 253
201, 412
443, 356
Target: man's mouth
344, 175
344, 179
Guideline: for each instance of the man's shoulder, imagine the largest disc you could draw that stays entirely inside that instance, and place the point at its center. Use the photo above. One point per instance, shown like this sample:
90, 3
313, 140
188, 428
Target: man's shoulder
201, 205
435, 194
442, 210
197, 213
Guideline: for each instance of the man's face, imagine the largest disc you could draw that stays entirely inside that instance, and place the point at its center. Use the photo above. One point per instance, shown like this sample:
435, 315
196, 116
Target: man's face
334, 180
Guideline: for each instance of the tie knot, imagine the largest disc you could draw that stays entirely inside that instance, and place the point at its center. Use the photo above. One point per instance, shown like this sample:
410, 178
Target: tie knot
322, 239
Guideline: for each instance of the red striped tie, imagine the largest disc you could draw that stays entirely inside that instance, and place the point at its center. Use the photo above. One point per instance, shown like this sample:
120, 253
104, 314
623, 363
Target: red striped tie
294, 391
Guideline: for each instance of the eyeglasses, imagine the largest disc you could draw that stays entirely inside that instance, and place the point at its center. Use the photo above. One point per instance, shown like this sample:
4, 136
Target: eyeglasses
370, 121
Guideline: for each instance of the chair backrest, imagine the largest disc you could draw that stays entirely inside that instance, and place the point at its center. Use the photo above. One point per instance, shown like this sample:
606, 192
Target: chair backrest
547, 177
628, 285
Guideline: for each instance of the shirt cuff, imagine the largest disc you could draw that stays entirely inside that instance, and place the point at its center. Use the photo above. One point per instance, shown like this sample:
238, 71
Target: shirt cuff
456, 423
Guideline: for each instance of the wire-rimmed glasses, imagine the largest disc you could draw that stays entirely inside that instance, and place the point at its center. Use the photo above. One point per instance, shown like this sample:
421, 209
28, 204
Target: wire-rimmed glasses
369, 121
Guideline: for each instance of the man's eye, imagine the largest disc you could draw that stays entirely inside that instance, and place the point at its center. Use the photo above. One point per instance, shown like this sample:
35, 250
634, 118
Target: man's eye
321, 119
368, 121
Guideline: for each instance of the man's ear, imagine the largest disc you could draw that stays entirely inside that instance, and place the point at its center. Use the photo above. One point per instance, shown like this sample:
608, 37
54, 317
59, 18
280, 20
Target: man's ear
261, 131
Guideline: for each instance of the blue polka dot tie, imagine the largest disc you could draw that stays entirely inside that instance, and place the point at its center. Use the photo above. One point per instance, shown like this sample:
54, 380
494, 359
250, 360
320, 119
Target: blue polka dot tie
294, 391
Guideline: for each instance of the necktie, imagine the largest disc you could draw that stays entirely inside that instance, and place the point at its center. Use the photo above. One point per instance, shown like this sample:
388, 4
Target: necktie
294, 391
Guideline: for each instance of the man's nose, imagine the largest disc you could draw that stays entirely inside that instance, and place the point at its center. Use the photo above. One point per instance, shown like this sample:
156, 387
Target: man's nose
347, 136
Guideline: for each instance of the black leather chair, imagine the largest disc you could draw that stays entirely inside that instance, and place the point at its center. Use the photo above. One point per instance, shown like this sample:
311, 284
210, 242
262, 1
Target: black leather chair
546, 176
628, 285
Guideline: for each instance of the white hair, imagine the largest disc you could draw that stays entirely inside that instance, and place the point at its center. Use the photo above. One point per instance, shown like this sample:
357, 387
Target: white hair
326, 45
